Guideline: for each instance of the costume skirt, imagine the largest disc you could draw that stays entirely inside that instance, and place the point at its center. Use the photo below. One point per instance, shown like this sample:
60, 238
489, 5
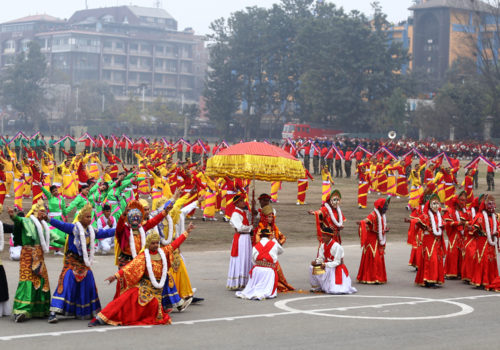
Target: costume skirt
328, 283
260, 285
76, 294
239, 266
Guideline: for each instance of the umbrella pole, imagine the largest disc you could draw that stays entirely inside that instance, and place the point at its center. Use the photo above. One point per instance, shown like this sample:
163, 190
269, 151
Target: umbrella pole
253, 199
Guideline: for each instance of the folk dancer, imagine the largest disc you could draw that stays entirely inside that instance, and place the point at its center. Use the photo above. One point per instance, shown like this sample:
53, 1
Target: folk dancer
372, 232
240, 262
328, 274
76, 293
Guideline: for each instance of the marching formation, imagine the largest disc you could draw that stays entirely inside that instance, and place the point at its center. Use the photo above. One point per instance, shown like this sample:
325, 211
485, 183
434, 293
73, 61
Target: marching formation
133, 198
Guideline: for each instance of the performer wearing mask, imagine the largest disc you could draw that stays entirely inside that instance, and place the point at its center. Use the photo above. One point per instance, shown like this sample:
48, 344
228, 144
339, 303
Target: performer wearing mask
372, 232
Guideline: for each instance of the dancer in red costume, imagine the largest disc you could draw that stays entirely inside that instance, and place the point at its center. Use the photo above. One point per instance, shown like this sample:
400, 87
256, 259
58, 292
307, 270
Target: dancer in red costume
430, 264
330, 216
456, 219
485, 226
372, 232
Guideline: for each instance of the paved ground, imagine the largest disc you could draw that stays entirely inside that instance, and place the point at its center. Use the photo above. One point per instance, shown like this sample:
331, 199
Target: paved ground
398, 315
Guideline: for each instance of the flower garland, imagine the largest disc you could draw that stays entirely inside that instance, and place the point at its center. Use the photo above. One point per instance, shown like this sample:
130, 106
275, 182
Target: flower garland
132, 241
381, 228
44, 239
437, 231
170, 229
489, 233
83, 243
149, 266
339, 223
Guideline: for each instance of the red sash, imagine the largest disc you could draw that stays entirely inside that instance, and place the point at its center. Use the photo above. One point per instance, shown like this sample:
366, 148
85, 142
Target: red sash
338, 273
338, 269
266, 257
236, 238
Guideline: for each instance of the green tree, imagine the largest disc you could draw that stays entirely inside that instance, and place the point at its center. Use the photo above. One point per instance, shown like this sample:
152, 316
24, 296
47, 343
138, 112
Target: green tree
221, 85
394, 113
23, 84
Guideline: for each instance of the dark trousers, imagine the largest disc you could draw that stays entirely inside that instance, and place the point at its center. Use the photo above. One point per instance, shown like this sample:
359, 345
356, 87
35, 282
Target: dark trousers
306, 161
338, 167
475, 177
347, 167
316, 165
490, 181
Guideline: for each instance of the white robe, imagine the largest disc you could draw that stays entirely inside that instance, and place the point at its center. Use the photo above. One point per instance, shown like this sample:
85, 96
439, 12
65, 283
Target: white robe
261, 283
326, 281
240, 266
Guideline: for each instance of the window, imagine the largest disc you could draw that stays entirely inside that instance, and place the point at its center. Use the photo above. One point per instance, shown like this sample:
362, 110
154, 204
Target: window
134, 47
108, 44
133, 61
120, 60
119, 45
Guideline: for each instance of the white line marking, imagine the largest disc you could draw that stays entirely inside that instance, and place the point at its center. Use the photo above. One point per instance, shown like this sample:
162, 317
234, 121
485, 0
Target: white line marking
290, 312
464, 309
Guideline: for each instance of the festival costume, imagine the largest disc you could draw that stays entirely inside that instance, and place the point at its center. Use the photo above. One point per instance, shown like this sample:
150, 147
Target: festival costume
430, 264
485, 258
275, 234
469, 246
76, 292
455, 220
363, 187
143, 303
302, 186
263, 282
416, 189
335, 279
33, 291
331, 218
240, 262
275, 187
373, 239
326, 187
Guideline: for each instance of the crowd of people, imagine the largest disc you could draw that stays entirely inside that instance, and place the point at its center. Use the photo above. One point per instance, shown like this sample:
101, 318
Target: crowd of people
134, 196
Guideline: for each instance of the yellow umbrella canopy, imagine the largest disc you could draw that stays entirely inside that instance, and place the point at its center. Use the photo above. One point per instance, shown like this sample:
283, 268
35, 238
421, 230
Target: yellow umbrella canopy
255, 160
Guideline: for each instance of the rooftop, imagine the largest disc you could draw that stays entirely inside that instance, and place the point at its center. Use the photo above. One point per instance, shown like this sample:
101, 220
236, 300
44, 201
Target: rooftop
474, 5
35, 18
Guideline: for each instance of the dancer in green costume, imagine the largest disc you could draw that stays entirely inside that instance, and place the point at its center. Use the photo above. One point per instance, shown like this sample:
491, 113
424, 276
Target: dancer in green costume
32, 297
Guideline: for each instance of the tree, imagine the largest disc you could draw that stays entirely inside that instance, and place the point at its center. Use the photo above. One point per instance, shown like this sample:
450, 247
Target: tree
394, 113
23, 84
221, 85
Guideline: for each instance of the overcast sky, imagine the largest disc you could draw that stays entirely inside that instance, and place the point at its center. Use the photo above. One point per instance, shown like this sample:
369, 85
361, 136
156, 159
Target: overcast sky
197, 14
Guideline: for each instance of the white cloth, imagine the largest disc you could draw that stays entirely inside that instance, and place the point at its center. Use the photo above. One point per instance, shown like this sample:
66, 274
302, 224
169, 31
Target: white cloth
180, 227
5, 308
236, 221
261, 283
106, 244
326, 282
240, 266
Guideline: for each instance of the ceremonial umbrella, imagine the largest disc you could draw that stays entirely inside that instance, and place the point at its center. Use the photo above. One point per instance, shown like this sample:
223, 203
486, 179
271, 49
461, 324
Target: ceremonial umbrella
255, 161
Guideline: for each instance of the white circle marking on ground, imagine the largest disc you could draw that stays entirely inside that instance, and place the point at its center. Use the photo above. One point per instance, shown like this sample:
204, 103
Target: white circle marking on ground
464, 308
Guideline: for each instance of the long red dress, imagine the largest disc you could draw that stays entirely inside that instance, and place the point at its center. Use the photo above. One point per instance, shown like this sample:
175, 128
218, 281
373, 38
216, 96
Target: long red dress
454, 223
140, 304
414, 236
485, 258
372, 265
469, 249
430, 264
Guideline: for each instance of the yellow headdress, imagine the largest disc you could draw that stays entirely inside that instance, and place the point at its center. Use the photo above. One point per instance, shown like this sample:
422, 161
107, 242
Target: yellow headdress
87, 209
144, 203
152, 237
36, 208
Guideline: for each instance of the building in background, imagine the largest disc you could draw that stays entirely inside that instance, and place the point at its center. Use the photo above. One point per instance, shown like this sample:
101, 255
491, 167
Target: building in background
135, 50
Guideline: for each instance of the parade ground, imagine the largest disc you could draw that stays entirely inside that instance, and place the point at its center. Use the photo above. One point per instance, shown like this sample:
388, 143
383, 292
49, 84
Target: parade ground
396, 315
